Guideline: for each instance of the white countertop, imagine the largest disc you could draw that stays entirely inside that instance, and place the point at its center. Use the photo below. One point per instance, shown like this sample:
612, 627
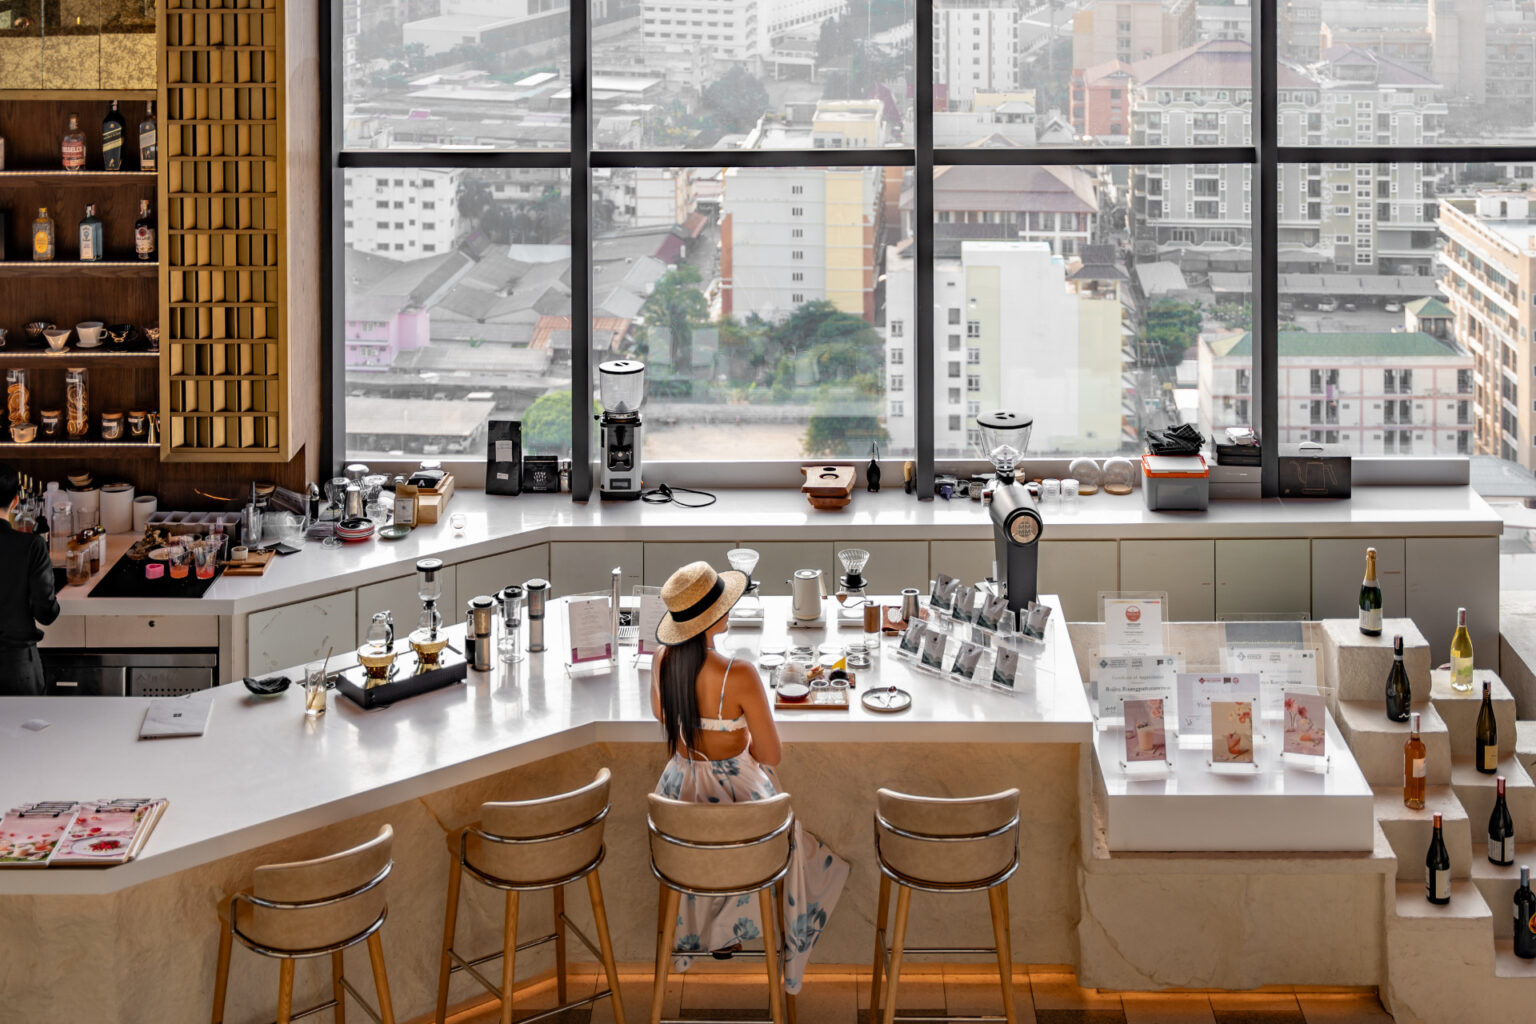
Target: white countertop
498, 524
262, 772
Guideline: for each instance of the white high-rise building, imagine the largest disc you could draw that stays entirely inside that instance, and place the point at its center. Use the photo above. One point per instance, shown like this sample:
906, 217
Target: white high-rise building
733, 30
1012, 329
403, 214
975, 48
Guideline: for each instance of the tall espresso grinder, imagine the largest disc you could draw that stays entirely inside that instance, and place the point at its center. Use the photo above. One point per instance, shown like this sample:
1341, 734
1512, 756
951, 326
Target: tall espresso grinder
621, 390
1016, 522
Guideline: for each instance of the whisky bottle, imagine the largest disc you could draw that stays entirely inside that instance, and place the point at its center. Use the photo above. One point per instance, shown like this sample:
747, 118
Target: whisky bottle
113, 129
149, 147
73, 146
144, 233
92, 237
42, 235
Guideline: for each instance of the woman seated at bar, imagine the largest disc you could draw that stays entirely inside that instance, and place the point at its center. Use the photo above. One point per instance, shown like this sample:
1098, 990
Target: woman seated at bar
728, 758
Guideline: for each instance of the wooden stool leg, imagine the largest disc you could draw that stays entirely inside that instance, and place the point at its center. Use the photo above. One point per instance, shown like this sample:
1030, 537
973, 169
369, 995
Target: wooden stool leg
560, 944
285, 991
898, 943
667, 915
509, 958
997, 896
789, 1000
605, 943
338, 991
882, 913
221, 978
380, 979
450, 922
771, 955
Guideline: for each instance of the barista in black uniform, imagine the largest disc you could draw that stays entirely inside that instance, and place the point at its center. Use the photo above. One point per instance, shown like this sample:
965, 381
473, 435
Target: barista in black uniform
26, 597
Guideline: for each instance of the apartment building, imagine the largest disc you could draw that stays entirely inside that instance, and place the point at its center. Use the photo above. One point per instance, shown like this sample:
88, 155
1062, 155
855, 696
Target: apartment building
1128, 30
1370, 393
975, 48
497, 25
733, 30
402, 214
1013, 328
1489, 259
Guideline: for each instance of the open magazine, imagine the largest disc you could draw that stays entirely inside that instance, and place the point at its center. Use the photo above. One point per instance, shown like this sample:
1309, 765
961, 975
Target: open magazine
62, 833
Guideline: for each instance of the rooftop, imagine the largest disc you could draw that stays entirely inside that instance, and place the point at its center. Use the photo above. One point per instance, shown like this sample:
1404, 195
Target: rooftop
1344, 345
1429, 307
1067, 189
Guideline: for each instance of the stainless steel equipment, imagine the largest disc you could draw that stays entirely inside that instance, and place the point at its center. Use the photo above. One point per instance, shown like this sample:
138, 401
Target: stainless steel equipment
621, 389
1017, 524
537, 593
428, 639
477, 638
510, 601
71, 672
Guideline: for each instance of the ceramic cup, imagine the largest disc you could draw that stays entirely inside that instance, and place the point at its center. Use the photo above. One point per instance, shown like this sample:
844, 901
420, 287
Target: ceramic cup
58, 338
90, 333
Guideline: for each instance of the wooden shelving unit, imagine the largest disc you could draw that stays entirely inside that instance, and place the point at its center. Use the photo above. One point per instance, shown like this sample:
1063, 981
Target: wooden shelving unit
104, 358
76, 268
227, 390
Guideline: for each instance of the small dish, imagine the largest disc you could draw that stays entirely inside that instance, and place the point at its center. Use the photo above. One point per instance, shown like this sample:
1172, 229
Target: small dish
394, 532
793, 693
58, 338
89, 333
34, 330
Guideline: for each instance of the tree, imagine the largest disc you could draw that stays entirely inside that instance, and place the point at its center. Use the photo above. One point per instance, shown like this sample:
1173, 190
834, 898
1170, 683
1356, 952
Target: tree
547, 423
1174, 325
735, 100
835, 432
474, 199
677, 304
842, 347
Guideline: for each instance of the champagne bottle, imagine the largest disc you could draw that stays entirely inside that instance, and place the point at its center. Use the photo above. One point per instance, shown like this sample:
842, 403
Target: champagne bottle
1525, 917
1370, 597
1437, 867
1501, 831
1399, 695
112, 130
1415, 768
1487, 734
1461, 655
91, 236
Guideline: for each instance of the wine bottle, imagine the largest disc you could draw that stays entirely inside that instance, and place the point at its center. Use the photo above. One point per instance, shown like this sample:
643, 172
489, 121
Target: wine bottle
112, 130
1501, 830
1525, 917
91, 236
42, 235
1415, 768
1487, 734
144, 233
1461, 655
1399, 695
1437, 867
73, 145
149, 146
1370, 597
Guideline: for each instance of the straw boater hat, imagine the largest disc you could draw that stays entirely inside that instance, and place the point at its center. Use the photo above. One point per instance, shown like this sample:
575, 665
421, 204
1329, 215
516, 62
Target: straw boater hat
697, 597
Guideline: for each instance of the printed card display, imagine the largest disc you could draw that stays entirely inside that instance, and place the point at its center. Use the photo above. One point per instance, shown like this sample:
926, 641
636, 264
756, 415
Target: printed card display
1281, 670
911, 642
942, 597
652, 609
1122, 677
1231, 731
964, 607
933, 650
1133, 623
591, 628
1305, 723
1197, 691
30, 833
1145, 737
1005, 670
967, 660
108, 832
1034, 617
993, 614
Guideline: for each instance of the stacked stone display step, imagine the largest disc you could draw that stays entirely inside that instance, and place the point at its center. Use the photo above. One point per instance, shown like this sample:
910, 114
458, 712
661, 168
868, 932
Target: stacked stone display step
1357, 665
1408, 831
1525, 745
1498, 885
1459, 711
1507, 965
1377, 742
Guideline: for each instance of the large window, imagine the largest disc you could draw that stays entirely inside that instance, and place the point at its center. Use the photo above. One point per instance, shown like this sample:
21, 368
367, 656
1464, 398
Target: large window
826, 224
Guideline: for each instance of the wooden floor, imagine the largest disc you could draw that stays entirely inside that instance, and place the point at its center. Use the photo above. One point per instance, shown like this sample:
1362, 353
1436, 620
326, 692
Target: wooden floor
1045, 995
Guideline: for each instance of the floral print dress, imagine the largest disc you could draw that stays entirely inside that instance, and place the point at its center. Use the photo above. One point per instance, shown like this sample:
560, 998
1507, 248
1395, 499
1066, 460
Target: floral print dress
811, 888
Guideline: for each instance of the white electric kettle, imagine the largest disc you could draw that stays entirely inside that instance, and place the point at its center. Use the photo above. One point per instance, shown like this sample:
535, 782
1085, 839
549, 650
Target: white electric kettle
806, 592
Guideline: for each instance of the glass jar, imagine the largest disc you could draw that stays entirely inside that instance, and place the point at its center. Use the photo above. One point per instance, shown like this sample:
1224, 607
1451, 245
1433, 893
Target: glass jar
77, 562
51, 423
18, 396
1119, 476
1086, 472
138, 424
77, 405
111, 426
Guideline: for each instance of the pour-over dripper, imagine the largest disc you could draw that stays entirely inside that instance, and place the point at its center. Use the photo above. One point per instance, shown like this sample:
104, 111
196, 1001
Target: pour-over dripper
854, 560
743, 560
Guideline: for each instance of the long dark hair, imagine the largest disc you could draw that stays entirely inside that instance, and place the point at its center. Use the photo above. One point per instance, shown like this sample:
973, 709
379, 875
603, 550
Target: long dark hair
680, 667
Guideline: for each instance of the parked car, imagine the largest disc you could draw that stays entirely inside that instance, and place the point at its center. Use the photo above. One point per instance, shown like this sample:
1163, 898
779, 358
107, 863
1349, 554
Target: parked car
1328, 305
1393, 307
1350, 307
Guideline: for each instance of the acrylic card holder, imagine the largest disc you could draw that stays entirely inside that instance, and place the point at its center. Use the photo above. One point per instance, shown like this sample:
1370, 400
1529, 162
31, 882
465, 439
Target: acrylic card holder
1133, 621
1117, 678
1144, 726
1232, 738
1199, 691
591, 644
648, 614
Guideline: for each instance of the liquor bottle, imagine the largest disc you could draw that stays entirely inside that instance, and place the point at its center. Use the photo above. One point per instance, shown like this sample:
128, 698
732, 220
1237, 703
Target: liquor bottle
112, 130
1501, 831
1437, 868
1370, 597
1487, 734
1525, 917
149, 147
92, 237
1399, 695
144, 233
1461, 655
42, 235
1415, 768
74, 145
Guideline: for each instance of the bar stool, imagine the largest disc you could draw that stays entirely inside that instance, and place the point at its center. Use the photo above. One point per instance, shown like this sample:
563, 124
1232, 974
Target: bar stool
932, 844
309, 908
528, 846
721, 850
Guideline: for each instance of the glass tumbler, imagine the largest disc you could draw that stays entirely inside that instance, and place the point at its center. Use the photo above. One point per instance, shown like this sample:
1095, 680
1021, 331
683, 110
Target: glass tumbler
314, 690
203, 555
180, 562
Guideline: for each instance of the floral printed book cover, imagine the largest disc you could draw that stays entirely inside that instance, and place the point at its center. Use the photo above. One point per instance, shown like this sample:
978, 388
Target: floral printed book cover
29, 834
108, 831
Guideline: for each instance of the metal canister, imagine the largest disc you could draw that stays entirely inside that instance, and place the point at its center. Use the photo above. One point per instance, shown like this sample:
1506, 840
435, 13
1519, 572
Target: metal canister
478, 634
354, 501
909, 607
537, 593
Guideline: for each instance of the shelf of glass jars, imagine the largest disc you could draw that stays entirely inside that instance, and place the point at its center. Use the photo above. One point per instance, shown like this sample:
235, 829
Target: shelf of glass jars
86, 447
79, 268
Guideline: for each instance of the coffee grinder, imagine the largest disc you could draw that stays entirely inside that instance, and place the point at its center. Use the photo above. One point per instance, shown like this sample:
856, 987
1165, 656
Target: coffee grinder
1016, 521
621, 389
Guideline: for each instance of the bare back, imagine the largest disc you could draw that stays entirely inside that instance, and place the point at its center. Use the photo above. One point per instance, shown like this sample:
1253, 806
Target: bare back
729, 691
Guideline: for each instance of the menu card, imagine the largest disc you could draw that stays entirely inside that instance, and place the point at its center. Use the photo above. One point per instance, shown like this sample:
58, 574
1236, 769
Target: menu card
652, 610
30, 833
590, 620
1231, 732
64, 833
